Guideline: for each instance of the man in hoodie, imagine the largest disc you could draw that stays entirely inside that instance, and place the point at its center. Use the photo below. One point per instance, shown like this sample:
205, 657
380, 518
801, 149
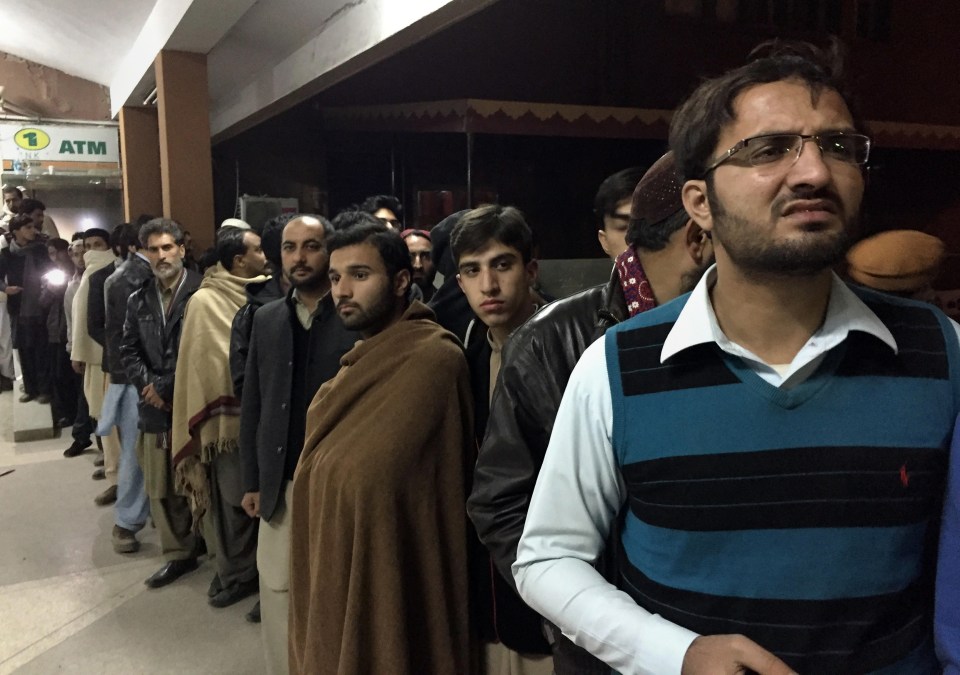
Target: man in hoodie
206, 414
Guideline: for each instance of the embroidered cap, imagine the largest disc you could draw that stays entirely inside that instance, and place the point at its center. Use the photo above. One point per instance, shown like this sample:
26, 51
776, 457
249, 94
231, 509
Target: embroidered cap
657, 195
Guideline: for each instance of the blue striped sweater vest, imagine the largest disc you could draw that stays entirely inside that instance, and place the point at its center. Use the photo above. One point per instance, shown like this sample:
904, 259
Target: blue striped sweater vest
804, 519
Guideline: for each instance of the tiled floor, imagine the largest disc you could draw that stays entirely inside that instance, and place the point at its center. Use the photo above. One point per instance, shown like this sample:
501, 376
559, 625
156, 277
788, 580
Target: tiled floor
69, 604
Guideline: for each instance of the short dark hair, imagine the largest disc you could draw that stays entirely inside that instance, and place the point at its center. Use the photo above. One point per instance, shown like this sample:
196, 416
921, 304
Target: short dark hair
271, 237
97, 232
123, 236
352, 218
614, 189
20, 220
655, 236
58, 243
10, 189
77, 236
387, 241
161, 226
31, 205
230, 243
376, 202
503, 224
697, 123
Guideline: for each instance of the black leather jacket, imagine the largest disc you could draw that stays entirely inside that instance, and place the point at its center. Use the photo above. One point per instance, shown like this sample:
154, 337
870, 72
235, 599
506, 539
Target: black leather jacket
149, 346
536, 364
117, 289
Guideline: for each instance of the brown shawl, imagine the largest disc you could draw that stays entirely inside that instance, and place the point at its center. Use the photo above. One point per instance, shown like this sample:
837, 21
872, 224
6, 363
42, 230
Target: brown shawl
378, 579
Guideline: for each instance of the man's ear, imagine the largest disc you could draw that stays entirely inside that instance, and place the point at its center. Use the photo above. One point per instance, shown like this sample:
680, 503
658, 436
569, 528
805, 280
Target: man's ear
602, 238
697, 203
532, 269
697, 242
401, 283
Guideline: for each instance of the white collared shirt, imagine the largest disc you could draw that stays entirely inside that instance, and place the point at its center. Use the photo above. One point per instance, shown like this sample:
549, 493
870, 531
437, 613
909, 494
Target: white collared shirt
579, 491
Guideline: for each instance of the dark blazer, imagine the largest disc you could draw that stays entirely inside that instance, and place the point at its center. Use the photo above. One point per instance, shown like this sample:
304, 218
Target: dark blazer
266, 405
119, 286
149, 346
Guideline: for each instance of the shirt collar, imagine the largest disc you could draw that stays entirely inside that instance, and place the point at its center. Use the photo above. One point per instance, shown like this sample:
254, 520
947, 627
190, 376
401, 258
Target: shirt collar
697, 323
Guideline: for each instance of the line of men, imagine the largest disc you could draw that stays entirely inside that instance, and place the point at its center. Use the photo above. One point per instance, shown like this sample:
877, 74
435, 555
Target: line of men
724, 460
698, 468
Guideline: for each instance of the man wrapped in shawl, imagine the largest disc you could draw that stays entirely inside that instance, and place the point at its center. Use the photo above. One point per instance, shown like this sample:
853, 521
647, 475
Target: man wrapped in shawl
378, 579
206, 422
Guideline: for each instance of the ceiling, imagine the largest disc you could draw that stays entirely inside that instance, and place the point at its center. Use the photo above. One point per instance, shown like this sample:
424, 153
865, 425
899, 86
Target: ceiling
85, 38
263, 55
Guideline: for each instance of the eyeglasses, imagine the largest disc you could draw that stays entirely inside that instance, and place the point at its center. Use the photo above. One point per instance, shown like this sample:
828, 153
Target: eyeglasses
777, 149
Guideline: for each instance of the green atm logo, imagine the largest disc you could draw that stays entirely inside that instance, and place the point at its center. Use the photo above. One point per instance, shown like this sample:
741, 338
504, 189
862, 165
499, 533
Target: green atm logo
83, 147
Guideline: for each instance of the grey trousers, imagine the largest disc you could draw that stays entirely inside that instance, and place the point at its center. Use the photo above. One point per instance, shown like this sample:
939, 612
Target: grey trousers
234, 532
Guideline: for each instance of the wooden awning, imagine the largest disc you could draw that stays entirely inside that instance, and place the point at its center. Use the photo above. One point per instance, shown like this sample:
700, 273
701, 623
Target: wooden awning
583, 121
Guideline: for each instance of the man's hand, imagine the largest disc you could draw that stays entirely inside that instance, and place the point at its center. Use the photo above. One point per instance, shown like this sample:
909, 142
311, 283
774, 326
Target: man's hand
251, 504
730, 655
13, 290
78, 367
151, 396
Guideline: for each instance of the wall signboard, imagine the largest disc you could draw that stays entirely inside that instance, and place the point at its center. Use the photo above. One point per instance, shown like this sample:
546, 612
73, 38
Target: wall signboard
42, 146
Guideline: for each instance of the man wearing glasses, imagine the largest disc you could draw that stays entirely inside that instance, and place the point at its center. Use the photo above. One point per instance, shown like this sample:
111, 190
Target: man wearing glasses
769, 449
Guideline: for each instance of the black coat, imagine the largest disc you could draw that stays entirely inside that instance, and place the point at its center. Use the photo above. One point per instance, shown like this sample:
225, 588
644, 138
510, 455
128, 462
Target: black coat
149, 346
266, 406
119, 286
14, 272
97, 306
258, 294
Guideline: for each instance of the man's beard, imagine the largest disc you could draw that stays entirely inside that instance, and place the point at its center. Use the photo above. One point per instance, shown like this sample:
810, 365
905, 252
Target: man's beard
690, 279
373, 319
805, 256
309, 283
171, 272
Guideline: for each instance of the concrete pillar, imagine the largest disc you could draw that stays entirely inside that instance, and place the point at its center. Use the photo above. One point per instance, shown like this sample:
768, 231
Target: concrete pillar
186, 169
140, 157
